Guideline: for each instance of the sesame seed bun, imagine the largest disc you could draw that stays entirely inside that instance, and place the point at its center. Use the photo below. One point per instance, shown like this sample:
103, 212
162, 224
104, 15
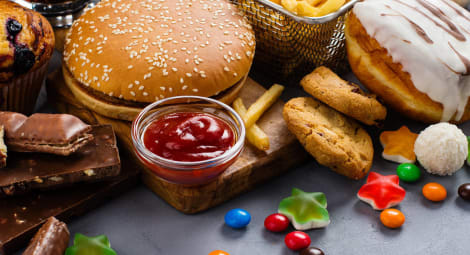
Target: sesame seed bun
122, 55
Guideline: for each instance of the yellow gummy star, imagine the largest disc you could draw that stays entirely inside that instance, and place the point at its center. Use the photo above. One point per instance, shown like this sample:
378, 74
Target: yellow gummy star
399, 145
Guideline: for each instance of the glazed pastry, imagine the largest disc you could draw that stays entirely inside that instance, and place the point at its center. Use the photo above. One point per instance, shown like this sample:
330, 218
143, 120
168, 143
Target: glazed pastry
343, 96
331, 138
26, 46
414, 54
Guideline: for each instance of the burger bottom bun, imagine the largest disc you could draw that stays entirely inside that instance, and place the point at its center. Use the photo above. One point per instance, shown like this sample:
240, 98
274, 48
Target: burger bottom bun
124, 110
375, 68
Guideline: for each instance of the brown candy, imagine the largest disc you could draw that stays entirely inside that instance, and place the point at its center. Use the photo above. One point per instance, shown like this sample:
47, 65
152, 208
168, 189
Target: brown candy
464, 191
51, 239
311, 251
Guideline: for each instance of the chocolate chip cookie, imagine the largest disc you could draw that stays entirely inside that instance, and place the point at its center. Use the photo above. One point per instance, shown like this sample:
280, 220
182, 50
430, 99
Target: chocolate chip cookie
333, 139
346, 97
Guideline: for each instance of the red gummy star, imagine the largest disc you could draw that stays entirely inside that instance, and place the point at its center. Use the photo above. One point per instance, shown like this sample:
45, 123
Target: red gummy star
381, 191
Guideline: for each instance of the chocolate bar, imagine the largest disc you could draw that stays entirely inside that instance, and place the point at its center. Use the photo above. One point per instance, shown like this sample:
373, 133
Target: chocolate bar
60, 134
3, 150
51, 239
97, 160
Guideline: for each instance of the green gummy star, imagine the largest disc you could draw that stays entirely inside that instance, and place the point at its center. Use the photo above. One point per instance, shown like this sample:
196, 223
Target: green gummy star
84, 245
305, 210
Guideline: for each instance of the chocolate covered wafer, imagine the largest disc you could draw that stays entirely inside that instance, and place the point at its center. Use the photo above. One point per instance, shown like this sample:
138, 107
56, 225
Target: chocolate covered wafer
51, 239
60, 134
3, 149
96, 161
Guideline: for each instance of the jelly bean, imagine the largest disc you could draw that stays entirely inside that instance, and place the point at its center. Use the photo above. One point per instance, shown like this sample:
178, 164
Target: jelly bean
464, 191
434, 192
392, 218
218, 252
237, 218
297, 240
311, 251
276, 222
408, 172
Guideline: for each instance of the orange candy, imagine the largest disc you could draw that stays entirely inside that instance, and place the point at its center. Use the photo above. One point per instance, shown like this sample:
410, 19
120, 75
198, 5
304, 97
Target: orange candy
392, 218
218, 252
434, 192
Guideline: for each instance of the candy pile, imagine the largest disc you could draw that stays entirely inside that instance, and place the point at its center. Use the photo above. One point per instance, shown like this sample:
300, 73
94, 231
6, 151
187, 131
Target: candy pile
303, 209
308, 210
441, 149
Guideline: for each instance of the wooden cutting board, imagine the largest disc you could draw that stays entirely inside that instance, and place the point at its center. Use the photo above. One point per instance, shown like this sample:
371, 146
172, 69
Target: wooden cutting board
252, 168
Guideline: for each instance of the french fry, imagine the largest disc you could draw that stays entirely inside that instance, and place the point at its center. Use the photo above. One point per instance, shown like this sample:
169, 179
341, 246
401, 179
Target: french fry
254, 134
262, 104
307, 10
290, 5
329, 7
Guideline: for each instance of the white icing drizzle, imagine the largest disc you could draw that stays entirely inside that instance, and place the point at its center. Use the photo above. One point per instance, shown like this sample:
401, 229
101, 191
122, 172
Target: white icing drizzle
431, 39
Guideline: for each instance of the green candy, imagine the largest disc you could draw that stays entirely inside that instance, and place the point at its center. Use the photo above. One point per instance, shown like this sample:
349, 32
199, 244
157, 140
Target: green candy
408, 172
305, 210
84, 245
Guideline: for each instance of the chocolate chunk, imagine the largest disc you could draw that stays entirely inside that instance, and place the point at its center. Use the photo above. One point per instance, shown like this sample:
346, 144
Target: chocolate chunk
3, 150
24, 60
60, 134
51, 239
98, 160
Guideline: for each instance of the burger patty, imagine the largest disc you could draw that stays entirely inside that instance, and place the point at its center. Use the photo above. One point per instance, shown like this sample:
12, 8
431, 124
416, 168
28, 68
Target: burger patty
116, 101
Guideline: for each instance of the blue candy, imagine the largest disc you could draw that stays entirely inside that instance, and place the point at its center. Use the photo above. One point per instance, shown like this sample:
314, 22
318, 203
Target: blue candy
237, 218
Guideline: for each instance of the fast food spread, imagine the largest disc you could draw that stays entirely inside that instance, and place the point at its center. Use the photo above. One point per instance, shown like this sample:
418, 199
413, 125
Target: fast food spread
167, 75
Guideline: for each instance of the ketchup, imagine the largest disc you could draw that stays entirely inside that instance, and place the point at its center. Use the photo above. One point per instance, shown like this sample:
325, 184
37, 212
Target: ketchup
189, 136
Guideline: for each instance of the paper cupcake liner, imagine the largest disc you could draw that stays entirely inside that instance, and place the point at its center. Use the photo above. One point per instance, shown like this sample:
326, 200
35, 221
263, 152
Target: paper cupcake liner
21, 93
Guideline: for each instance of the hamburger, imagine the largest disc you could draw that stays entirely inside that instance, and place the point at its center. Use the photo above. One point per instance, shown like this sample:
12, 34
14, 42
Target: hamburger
122, 55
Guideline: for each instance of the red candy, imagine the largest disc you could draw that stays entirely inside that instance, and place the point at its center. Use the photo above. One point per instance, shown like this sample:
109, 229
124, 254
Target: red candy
276, 222
297, 240
382, 192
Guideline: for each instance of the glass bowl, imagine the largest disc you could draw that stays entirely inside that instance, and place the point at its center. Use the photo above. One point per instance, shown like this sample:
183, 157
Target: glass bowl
187, 173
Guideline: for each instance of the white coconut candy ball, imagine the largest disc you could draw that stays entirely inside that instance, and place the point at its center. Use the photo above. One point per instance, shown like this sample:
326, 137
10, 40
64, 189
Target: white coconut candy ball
441, 148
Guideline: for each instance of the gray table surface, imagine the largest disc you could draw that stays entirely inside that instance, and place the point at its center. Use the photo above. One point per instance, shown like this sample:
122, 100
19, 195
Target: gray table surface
139, 222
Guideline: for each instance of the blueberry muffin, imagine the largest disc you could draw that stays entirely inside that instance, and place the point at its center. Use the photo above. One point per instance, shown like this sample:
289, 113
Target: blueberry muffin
26, 46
